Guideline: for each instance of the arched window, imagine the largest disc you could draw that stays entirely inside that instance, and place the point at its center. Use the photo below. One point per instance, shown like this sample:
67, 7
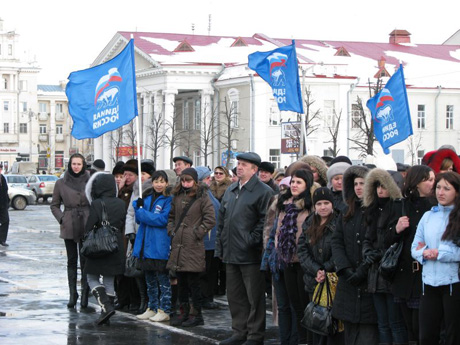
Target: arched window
234, 100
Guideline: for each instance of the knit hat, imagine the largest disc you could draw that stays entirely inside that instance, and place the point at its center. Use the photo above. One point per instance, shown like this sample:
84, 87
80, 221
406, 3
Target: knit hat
160, 173
131, 165
99, 165
267, 166
202, 172
286, 181
322, 193
118, 168
190, 172
336, 169
147, 166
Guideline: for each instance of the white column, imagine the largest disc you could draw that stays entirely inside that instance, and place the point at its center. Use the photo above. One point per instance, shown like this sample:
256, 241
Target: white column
157, 112
52, 136
169, 98
206, 119
98, 148
106, 151
147, 123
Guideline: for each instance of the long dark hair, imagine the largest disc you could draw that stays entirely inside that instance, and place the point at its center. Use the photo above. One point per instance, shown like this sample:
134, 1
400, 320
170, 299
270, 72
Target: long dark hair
351, 202
415, 175
305, 175
453, 227
316, 230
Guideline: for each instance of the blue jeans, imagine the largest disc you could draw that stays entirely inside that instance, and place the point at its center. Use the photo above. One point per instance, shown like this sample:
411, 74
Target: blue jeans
287, 324
158, 282
392, 328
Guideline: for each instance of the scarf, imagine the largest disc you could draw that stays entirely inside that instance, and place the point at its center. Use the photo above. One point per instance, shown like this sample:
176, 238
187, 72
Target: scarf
287, 245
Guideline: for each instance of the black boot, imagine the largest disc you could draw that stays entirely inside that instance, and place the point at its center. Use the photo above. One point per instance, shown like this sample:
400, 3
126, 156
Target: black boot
107, 307
142, 286
72, 281
179, 319
84, 292
194, 320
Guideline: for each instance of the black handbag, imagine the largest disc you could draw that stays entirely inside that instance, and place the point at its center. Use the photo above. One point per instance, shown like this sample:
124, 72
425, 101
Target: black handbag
132, 266
389, 263
100, 241
318, 318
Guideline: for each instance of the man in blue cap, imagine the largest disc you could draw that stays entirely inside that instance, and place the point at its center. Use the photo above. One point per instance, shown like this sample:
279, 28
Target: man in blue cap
239, 245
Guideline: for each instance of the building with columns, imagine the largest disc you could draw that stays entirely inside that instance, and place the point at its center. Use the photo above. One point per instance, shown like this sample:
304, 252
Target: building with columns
197, 97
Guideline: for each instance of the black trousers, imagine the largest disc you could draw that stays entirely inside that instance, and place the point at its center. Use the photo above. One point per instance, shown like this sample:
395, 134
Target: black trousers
189, 283
208, 279
438, 304
246, 300
4, 223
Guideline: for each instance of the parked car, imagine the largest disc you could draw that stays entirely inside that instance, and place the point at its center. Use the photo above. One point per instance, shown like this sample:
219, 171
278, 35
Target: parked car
42, 185
20, 197
16, 181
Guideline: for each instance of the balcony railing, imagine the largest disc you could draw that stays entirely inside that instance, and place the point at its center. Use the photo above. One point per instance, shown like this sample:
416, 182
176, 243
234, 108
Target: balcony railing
43, 137
59, 138
59, 116
43, 116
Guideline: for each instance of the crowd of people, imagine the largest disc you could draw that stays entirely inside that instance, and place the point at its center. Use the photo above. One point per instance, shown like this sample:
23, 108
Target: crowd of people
196, 232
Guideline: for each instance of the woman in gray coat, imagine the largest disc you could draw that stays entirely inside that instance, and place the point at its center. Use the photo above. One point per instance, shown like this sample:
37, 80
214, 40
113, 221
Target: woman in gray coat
69, 191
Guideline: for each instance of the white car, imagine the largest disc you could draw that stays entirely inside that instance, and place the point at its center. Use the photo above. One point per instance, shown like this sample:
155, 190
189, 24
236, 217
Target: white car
21, 197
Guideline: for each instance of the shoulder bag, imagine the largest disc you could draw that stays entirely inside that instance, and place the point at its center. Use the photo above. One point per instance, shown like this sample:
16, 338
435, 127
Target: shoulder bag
100, 241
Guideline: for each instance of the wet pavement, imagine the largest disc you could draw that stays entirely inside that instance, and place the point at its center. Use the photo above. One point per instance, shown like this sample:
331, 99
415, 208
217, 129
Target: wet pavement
34, 294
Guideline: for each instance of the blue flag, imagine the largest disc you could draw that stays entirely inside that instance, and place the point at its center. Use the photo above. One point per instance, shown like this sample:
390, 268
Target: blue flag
390, 112
103, 98
279, 69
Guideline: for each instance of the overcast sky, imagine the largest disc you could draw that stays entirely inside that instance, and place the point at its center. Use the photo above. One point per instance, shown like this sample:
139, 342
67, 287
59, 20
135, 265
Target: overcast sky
65, 36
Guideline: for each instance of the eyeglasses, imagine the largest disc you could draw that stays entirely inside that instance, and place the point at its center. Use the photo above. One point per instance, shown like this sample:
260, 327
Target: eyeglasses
218, 173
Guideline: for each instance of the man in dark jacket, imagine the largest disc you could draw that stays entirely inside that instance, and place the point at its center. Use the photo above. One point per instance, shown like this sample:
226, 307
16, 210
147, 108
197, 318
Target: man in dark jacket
266, 170
4, 205
239, 245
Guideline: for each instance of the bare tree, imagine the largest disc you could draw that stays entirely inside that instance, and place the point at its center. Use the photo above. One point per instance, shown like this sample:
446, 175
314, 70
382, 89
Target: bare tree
207, 133
116, 138
154, 130
334, 132
131, 138
414, 143
230, 115
174, 138
311, 125
365, 138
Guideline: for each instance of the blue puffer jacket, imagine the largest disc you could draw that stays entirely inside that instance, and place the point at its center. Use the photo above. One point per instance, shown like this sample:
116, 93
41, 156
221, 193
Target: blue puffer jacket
444, 270
152, 230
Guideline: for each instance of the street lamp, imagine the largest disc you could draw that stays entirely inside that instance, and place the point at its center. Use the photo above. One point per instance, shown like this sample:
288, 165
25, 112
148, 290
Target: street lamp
31, 115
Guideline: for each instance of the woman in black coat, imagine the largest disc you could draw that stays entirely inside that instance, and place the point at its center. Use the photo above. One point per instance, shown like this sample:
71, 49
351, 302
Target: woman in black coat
101, 188
407, 282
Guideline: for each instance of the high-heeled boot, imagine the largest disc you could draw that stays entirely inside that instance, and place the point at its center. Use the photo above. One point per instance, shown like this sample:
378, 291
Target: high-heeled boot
142, 286
72, 281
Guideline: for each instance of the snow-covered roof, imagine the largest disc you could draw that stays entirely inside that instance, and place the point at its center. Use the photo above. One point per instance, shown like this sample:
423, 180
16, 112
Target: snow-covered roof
425, 65
50, 88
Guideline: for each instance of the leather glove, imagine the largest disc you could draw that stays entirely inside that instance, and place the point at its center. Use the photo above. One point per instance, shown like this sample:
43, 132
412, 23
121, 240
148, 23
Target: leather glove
359, 276
131, 238
372, 256
140, 202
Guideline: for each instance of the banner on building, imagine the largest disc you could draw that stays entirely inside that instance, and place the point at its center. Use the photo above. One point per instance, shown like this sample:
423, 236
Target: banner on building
290, 137
390, 112
279, 68
127, 151
103, 98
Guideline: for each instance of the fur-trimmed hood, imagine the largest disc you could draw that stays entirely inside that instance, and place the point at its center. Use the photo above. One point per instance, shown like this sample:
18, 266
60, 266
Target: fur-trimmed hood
384, 178
318, 163
434, 159
101, 184
348, 181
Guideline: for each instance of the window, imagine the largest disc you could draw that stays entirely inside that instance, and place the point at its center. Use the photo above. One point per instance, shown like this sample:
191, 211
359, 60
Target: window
274, 117
355, 116
275, 157
329, 111
185, 116
5, 84
58, 129
42, 129
421, 116
420, 154
6, 127
23, 128
197, 114
42, 107
233, 96
23, 85
24, 106
328, 153
6, 105
197, 158
449, 117
59, 108
10, 49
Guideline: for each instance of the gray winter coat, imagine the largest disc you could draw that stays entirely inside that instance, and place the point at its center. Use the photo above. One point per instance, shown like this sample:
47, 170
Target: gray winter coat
70, 192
